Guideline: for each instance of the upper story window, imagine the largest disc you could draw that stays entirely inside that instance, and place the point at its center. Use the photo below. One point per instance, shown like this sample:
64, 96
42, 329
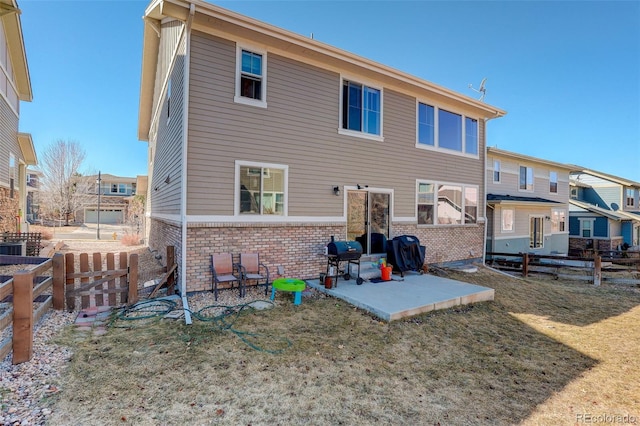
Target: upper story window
361, 108
496, 171
553, 182
426, 125
169, 100
455, 205
118, 188
251, 72
471, 136
630, 198
442, 129
526, 179
7, 79
261, 189
574, 193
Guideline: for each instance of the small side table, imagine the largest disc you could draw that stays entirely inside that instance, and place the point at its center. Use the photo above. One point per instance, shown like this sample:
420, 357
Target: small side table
293, 285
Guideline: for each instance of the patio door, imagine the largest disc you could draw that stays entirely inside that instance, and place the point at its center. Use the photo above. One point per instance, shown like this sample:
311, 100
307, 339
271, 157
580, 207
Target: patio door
368, 218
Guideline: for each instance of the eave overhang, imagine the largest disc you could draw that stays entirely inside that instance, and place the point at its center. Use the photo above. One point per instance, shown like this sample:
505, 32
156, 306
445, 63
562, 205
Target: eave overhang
521, 157
517, 200
10, 15
26, 147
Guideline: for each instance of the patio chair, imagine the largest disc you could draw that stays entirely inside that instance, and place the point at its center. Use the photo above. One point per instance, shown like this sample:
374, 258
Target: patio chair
253, 270
224, 271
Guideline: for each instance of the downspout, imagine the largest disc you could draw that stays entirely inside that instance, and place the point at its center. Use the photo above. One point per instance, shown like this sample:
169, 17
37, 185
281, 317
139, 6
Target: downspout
484, 185
185, 139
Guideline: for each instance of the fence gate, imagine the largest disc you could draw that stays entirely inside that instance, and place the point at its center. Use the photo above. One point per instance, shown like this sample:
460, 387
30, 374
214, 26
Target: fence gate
97, 287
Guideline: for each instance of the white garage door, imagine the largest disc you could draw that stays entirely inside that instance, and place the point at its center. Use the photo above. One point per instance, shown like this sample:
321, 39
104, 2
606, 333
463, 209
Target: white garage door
106, 216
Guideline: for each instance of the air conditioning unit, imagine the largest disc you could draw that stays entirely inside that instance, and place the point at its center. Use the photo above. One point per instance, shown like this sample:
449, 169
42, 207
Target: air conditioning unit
14, 249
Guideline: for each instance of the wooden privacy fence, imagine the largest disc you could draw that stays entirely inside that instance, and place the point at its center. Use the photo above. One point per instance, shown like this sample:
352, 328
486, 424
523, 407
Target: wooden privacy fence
526, 263
92, 285
55, 282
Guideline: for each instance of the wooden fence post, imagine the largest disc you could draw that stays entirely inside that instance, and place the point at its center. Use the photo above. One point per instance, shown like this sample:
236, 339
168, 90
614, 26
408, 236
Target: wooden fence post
22, 316
70, 268
133, 279
597, 270
525, 264
58, 281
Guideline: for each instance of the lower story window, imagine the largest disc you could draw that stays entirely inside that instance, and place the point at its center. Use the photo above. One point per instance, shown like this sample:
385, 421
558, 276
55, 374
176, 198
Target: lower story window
455, 205
262, 189
586, 228
558, 220
536, 232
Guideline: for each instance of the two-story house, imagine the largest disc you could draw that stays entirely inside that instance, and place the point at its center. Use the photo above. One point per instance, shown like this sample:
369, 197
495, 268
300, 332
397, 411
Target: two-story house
115, 194
16, 149
527, 204
263, 140
604, 213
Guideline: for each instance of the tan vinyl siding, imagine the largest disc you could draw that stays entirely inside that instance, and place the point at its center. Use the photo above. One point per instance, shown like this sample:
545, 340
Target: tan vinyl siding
510, 179
167, 149
299, 128
170, 34
9, 138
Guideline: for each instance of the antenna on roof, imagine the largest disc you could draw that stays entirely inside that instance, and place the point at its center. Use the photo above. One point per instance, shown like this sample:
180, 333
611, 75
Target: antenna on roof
482, 90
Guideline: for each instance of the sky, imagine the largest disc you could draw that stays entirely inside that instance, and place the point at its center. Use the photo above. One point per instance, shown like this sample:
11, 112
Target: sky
567, 73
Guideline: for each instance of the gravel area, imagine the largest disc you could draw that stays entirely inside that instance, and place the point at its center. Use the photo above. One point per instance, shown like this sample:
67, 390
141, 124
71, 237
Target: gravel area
24, 387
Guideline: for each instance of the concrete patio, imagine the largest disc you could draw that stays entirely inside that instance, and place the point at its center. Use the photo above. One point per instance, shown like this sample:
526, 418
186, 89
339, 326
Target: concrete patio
406, 296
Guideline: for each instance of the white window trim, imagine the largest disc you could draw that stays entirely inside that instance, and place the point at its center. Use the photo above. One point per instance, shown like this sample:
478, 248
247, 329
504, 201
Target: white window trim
566, 221
533, 176
436, 132
541, 217
493, 171
169, 100
262, 103
355, 133
236, 196
503, 230
435, 203
582, 220
557, 182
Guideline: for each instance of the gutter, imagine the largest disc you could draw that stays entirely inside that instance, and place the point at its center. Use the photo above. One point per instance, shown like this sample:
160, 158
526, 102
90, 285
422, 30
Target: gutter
185, 139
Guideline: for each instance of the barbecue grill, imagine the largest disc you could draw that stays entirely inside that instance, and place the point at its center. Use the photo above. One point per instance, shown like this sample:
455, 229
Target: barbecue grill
343, 251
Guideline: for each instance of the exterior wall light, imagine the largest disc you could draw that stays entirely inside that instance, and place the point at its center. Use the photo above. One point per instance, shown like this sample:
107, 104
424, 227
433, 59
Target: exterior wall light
336, 191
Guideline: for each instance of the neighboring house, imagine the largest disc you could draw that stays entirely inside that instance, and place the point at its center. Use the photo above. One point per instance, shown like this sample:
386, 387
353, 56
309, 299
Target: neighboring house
33, 195
16, 149
604, 212
115, 195
263, 140
527, 204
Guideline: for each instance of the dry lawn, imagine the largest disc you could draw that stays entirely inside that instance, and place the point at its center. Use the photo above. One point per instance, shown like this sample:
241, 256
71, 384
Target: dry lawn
544, 352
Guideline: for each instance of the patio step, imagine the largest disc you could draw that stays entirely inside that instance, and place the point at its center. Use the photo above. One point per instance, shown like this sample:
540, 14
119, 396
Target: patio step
368, 267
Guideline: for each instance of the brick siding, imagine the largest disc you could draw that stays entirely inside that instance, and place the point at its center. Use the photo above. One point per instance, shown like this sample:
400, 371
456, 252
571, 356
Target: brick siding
298, 248
8, 210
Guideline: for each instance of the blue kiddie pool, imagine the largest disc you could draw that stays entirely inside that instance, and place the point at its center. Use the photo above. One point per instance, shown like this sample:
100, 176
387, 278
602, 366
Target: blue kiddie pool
293, 285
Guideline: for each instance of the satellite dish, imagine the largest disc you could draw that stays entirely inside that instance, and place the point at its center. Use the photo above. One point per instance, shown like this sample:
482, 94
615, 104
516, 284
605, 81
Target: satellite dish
482, 90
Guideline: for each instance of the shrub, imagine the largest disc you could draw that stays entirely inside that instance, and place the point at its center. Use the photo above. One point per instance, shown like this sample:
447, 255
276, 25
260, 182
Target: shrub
131, 239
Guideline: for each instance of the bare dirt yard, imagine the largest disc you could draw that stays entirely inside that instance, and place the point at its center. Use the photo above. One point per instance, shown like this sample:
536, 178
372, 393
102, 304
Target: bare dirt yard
545, 352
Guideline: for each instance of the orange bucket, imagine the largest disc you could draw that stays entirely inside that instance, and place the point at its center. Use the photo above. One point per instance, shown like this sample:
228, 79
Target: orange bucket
386, 273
